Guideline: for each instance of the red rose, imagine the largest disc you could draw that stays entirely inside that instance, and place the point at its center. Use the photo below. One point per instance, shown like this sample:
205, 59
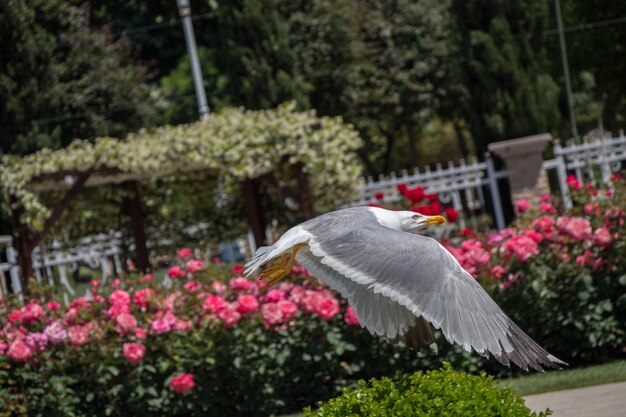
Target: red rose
451, 214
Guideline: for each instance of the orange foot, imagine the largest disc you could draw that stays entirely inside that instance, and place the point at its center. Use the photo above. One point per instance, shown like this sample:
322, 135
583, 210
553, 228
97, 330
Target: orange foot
275, 273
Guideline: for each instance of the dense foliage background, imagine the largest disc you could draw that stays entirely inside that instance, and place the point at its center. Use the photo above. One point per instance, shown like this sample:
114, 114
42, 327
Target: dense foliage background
401, 71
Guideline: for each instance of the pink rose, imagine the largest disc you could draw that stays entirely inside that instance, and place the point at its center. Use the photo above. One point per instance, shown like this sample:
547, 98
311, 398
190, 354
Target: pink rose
229, 317
274, 296
289, 309
19, 351
602, 237
147, 278
545, 198
141, 333
218, 287
184, 253
192, 286
523, 205
31, 313
161, 325
53, 305
56, 332
240, 284
271, 313
297, 294
309, 300
194, 266
176, 272
573, 182
247, 304
350, 317
142, 298
522, 247
116, 283
117, 309
327, 308
537, 237
547, 208
498, 271
578, 228
15, 315
126, 323
119, 297
214, 304
182, 383
183, 325
95, 283
37, 341
79, 335
170, 301
133, 352
544, 224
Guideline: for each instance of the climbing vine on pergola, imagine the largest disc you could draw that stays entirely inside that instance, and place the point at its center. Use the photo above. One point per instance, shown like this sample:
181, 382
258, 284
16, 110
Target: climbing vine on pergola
243, 147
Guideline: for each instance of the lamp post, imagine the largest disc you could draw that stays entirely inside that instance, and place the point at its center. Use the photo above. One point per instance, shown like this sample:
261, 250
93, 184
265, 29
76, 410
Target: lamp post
568, 85
184, 9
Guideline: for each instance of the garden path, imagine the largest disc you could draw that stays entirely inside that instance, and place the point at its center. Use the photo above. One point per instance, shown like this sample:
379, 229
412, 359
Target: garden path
607, 400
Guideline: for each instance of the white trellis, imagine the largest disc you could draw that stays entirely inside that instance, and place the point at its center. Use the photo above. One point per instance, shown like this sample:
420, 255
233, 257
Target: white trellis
461, 186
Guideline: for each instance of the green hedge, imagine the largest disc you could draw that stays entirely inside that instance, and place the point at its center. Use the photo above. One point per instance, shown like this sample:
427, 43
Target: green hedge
434, 393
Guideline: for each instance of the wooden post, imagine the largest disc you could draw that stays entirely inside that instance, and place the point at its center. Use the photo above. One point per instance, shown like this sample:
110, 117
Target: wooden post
133, 202
305, 196
60, 208
23, 245
256, 221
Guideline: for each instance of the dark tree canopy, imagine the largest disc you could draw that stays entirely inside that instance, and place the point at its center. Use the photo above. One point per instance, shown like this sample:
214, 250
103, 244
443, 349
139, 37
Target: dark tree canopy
505, 69
61, 79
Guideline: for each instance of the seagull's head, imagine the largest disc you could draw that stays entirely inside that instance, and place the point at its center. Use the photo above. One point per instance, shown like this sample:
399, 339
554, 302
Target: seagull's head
414, 222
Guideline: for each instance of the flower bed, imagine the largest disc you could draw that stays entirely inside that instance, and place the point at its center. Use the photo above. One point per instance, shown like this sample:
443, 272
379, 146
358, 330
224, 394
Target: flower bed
216, 343
562, 277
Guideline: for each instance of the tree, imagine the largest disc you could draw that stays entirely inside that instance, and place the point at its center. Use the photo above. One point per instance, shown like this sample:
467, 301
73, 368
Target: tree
246, 60
504, 69
597, 56
252, 43
382, 65
60, 79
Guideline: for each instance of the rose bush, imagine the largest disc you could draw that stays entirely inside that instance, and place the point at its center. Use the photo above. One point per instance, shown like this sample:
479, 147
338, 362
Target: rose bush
561, 276
216, 343
213, 343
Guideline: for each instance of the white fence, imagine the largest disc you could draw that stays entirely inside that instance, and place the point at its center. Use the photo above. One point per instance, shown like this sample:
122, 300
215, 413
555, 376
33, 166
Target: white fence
468, 187
463, 187
590, 161
57, 265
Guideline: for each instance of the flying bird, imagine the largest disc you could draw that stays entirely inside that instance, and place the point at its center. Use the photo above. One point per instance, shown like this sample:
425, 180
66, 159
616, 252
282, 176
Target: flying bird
401, 283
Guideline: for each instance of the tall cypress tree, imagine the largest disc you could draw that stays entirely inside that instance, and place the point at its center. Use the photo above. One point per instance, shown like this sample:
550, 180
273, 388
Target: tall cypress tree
252, 46
504, 68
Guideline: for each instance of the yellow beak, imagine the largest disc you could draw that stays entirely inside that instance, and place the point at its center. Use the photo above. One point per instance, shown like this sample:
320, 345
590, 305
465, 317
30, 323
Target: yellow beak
431, 220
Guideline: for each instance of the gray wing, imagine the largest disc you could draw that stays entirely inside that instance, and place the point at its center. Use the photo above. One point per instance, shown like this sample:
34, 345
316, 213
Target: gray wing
386, 267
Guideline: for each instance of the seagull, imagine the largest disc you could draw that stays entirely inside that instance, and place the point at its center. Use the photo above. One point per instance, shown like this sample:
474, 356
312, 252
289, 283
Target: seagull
401, 284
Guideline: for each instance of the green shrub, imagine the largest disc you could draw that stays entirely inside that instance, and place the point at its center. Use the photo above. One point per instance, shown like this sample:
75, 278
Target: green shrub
435, 393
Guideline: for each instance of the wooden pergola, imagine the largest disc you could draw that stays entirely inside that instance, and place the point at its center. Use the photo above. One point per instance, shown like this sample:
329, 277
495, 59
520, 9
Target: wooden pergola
198, 146
26, 240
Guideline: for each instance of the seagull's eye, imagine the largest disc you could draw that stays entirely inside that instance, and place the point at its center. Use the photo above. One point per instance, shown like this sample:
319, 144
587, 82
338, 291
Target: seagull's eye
416, 217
